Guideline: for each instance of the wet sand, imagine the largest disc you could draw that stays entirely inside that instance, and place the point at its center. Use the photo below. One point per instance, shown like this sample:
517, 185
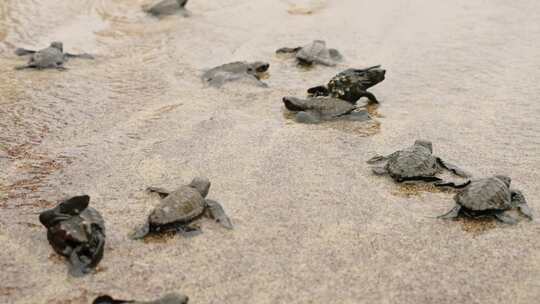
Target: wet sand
312, 224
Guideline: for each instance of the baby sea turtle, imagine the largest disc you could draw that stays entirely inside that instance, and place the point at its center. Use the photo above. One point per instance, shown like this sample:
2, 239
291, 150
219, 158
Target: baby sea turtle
178, 209
315, 110
415, 163
233, 71
77, 232
315, 52
167, 7
50, 57
351, 84
490, 196
172, 298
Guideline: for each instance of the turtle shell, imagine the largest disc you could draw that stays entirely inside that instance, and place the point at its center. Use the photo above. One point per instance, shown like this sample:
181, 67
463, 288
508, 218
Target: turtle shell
485, 194
75, 230
412, 162
181, 206
49, 57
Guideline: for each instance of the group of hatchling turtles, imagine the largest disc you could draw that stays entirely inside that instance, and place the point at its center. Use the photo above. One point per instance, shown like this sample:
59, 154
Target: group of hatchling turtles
77, 231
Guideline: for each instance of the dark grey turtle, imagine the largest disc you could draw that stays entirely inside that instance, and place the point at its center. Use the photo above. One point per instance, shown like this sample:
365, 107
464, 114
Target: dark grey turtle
351, 84
315, 52
77, 232
490, 196
50, 57
172, 298
315, 110
233, 71
178, 209
415, 163
167, 7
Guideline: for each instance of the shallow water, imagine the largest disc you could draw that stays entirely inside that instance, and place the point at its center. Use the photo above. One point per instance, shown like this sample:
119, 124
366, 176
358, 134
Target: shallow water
312, 224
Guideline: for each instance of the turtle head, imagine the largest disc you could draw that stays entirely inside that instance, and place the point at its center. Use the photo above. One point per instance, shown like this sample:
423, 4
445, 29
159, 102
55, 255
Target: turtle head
201, 184
424, 143
58, 45
375, 74
505, 179
258, 67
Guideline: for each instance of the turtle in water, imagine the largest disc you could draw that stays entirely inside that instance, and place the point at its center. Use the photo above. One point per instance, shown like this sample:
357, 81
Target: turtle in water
172, 298
178, 209
415, 163
50, 57
315, 110
315, 52
77, 232
351, 84
167, 7
233, 71
487, 197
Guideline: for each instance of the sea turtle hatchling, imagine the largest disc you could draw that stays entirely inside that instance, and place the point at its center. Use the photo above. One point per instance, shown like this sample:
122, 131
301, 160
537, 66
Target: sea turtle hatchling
315, 110
415, 163
178, 209
491, 196
315, 52
50, 57
234, 71
167, 7
351, 84
77, 232
172, 298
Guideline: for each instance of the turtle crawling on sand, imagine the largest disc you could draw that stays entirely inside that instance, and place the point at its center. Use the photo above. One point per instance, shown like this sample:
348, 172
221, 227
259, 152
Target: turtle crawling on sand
315, 110
490, 196
315, 52
234, 71
178, 209
50, 57
415, 163
172, 298
351, 84
167, 7
77, 232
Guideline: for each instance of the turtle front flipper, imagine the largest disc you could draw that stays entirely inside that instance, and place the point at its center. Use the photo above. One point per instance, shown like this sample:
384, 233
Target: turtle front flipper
140, 232
318, 91
428, 179
380, 158
452, 185
24, 52
308, 117
452, 214
335, 55
83, 56
452, 168
288, 50
379, 170
23, 67
366, 94
75, 205
105, 299
215, 211
518, 200
188, 230
163, 193
505, 218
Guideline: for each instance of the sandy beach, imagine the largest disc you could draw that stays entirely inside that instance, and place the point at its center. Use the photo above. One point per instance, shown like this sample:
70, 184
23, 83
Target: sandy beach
312, 223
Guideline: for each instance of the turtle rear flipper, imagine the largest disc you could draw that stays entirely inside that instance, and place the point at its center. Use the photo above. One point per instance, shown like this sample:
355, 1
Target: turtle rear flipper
79, 264
420, 178
215, 211
452, 168
307, 117
163, 193
189, 230
505, 218
24, 52
452, 214
23, 67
